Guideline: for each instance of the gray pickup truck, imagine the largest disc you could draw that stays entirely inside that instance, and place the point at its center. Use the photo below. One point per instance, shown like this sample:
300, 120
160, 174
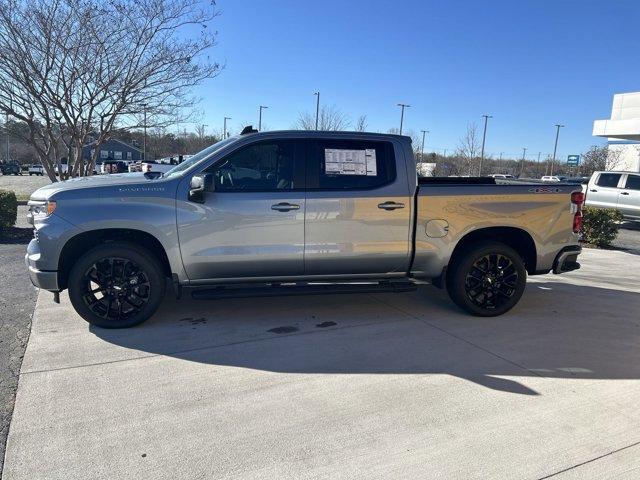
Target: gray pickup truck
295, 212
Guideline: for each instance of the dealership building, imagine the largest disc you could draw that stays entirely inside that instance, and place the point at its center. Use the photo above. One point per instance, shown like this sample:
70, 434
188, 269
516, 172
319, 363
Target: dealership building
623, 131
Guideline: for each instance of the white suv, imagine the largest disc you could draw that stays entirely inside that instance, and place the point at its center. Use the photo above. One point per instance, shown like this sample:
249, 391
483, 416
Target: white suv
619, 190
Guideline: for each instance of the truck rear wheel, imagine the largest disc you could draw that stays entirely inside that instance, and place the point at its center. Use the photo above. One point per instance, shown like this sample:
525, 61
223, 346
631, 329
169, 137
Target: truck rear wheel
488, 280
116, 285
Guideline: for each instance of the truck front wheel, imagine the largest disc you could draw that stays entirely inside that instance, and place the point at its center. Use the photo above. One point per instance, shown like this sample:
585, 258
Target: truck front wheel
488, 280
116, 285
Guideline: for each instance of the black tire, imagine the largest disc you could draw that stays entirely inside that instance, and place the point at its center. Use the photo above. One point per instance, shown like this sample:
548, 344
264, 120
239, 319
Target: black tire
487, 280
116, 285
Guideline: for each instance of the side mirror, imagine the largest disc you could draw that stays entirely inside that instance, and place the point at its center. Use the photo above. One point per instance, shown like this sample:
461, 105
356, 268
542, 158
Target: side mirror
199, 185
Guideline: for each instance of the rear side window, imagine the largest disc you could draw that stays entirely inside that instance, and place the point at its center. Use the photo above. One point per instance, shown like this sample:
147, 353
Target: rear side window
633, 182
608, 179
349, 164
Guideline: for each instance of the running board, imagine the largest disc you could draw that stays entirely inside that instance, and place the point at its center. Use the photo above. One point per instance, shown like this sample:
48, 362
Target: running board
276, 290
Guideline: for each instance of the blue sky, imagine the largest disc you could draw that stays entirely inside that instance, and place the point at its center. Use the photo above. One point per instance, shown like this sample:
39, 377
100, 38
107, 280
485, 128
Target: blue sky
530, 64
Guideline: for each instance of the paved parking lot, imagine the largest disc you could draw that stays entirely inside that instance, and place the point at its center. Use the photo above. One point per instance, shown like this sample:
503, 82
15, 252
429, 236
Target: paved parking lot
342, 386
23, 185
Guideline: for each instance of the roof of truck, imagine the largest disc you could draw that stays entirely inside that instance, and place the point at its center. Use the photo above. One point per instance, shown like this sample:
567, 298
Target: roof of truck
322, 133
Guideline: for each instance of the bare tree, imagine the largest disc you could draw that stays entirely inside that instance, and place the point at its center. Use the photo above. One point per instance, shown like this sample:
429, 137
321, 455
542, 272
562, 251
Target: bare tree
71, 80
330, 119
469, 147
600, 158
361, 124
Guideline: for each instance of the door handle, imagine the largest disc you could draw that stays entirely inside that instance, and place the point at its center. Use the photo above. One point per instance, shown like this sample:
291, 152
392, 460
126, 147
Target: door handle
390, 205
285, 207
593, 190
624, 193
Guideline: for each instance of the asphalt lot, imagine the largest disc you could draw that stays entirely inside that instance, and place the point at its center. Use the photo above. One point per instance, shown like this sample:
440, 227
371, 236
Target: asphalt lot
23, 185
352, 386
17, 301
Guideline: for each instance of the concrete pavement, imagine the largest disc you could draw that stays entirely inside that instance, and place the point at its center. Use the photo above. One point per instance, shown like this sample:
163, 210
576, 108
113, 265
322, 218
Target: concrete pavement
342, 386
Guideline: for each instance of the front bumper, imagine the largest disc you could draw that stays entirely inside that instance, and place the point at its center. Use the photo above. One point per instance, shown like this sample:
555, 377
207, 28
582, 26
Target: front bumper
567, 259
45, 279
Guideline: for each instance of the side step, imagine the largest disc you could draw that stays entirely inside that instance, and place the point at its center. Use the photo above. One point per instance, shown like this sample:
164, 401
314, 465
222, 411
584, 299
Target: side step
276, 290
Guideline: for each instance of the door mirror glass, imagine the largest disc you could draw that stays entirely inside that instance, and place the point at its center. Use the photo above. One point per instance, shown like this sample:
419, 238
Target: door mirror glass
199, 185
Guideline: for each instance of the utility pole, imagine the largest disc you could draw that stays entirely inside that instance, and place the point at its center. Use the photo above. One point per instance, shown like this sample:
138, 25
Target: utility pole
6, 133
524, 153
555, 147
262, 107
484, 136
317, 94
538, 163
500, 163
402, 106
144, 140
424, 132
224, 130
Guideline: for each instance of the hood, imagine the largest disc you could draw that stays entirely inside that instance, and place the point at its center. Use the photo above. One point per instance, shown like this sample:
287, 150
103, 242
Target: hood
114, 179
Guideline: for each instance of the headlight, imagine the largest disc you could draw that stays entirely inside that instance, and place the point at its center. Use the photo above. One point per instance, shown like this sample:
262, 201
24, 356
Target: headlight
40, 209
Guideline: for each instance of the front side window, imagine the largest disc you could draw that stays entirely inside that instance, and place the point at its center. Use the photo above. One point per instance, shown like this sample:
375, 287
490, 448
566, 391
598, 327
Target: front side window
633, 182
350, 164
266, 166
608, 179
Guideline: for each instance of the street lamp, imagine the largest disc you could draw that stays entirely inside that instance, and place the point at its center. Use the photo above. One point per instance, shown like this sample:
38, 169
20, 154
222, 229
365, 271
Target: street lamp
524, 153
402, 106
144, 140
555, 147
484, 136
424, 132
6, 132
262, 107
317, 94
224, 130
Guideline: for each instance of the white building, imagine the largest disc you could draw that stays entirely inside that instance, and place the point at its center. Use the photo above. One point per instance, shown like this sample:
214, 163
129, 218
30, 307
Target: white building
623, 131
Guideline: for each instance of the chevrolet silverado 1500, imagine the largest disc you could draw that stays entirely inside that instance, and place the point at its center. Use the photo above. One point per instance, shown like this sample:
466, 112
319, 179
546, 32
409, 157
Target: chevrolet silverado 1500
295, 212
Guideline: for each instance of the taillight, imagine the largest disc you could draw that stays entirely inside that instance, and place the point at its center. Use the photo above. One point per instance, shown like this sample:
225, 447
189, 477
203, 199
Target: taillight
577, 198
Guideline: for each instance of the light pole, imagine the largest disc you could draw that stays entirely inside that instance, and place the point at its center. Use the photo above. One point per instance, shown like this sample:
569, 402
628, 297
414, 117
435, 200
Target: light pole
6, 132
538, 164
555, 147
524, 153
317, 94
224, 130
424, 133
402, 106
262, 107
484, 136
144, 140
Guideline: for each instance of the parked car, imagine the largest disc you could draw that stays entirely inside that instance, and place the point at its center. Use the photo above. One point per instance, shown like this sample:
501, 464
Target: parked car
503, 176
10, 169
63, 166
114, 166
619, 190
277, 212
36, 169
550, 178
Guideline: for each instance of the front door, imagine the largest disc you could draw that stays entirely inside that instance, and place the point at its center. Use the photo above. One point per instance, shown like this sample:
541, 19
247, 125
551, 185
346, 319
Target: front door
252, 224
358, 210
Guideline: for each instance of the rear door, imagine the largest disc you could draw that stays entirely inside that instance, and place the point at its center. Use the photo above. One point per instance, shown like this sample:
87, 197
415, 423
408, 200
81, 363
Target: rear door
604, 191
358, 208
629, 199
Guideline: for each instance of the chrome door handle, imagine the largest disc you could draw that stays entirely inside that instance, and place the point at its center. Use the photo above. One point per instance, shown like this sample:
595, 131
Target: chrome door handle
390, 205
285, 207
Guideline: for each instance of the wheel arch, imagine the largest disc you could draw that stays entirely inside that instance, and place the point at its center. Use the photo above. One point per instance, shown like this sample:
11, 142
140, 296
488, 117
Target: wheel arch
77, 245
518, 239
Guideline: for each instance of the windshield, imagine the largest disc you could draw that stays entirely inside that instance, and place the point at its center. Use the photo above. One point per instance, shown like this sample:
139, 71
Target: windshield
199, 156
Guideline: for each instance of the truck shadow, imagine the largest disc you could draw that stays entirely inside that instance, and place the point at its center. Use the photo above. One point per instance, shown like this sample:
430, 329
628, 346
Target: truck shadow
559, 330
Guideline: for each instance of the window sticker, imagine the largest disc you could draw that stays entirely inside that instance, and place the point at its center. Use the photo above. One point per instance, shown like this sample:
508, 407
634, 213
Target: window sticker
339, 161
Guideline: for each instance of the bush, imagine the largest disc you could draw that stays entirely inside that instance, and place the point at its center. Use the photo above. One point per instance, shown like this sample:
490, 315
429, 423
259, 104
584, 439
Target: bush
599, 225
8, 209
